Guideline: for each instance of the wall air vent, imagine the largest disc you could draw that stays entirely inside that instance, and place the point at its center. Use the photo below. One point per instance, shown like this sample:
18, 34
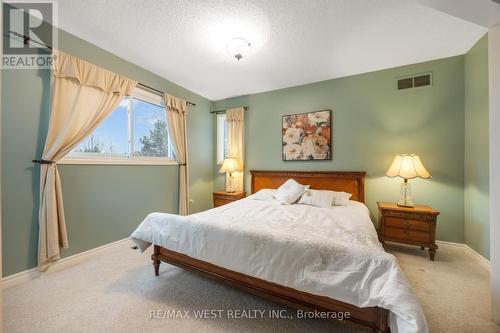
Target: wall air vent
416, 81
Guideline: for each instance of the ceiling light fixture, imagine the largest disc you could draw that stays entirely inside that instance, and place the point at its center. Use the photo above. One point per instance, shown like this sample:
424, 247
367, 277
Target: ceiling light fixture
238, 48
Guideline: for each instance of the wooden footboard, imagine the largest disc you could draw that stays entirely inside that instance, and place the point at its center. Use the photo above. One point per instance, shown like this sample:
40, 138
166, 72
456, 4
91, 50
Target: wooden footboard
374, 318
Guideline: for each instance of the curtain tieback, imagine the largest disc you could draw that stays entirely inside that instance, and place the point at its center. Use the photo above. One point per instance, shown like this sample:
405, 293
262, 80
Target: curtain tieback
185, 164
43, 161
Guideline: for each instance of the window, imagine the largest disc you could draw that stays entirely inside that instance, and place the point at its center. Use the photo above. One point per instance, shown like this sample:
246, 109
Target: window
221, 138
134, 133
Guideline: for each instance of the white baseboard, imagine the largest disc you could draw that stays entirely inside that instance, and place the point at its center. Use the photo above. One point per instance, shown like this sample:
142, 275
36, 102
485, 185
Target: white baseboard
30, 274
473, 253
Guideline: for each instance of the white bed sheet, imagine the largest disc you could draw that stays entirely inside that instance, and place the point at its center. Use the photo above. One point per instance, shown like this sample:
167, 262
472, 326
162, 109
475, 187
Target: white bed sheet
331, 252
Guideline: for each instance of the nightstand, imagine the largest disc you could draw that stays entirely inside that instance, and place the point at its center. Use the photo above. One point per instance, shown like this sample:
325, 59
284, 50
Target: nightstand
408, 225
222, 198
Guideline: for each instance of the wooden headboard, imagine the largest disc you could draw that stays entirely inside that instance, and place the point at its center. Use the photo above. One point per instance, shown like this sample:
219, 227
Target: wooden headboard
346, 181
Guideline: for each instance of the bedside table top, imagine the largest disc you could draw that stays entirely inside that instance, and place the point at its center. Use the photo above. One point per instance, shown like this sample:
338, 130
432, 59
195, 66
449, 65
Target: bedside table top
235, 194
417, 209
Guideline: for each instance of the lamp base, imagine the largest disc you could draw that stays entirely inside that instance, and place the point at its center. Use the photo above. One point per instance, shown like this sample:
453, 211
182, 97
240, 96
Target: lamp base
229, 182
405, 198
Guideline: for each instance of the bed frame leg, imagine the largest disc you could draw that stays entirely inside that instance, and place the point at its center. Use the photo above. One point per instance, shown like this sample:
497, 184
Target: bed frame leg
383, 324
156, 260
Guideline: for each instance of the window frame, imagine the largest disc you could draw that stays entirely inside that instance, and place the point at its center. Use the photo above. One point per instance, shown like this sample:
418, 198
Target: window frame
142, 95
221, 120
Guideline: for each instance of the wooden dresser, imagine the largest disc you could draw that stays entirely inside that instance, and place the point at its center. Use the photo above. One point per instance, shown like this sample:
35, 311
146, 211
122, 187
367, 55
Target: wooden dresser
222, 198
415, 225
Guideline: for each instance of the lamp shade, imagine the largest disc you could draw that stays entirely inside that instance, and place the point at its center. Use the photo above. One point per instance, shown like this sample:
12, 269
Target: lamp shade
231, 165
407, 167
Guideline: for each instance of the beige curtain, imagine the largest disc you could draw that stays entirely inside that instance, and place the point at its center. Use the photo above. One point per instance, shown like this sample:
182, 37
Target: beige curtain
235, 132
83, 95
176, 121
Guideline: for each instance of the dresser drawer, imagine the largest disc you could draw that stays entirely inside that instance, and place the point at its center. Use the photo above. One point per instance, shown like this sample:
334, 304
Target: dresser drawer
406, 235
399, 222
223, 198
220, 202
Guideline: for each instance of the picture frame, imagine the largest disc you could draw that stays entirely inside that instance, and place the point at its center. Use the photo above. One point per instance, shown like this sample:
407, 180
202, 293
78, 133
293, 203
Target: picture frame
307, 136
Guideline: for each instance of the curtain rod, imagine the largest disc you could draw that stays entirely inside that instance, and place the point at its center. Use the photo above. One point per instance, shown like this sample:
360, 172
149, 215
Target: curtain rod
246, 108
27, 39
161, 92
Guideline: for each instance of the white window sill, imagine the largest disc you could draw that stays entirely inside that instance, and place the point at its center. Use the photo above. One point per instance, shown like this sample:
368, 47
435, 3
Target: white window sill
118, 161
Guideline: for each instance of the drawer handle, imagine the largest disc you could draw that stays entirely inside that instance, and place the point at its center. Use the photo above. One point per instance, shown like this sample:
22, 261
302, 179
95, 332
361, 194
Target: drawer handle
406, 232
407, 223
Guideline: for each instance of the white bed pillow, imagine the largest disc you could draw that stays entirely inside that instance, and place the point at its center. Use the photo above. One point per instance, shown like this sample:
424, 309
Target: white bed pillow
341, 198
290, 192
317, 198
325, 198
265, 194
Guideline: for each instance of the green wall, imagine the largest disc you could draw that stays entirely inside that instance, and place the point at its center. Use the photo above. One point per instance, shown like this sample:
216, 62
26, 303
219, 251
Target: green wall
476, 192
372, 122
102, 203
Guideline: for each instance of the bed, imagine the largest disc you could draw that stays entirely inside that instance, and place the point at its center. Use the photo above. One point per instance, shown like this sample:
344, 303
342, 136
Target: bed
276, 251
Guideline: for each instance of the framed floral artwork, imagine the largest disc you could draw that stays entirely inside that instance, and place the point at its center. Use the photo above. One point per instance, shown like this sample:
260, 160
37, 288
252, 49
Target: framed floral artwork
307, 136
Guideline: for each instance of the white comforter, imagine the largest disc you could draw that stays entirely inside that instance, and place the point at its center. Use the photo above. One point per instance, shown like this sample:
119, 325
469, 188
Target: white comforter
332, 252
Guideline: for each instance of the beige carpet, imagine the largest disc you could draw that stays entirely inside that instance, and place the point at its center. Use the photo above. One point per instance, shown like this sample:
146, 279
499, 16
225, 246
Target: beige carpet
117, 291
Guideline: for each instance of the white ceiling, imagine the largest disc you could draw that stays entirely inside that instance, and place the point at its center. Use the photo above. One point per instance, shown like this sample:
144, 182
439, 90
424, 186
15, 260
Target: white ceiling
482, 12
293, 41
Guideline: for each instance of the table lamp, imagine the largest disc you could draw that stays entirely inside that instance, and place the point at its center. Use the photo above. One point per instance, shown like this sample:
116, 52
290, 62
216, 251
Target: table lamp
407, 167
229, 166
